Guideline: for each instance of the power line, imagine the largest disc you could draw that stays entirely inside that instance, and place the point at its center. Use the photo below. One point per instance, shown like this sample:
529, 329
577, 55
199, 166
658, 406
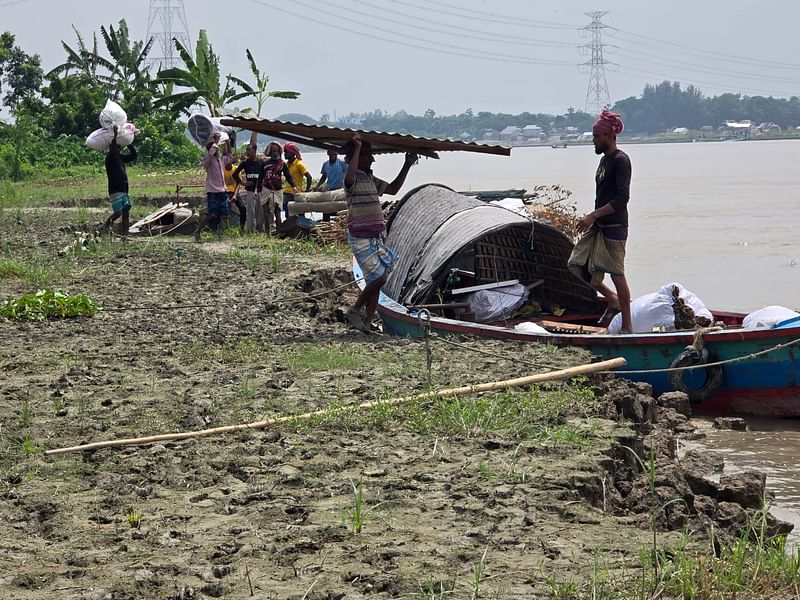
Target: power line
486, 17
706, 84
513, 39
723, 56
438, 49
693, 67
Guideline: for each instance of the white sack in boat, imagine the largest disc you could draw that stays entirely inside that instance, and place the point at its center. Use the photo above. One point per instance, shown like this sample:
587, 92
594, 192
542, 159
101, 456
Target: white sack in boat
768, 317
530, 327
497, 304
655, 311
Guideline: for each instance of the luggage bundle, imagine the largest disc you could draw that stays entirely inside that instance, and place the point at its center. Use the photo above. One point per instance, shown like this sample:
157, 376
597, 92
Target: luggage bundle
112, 116
202, 127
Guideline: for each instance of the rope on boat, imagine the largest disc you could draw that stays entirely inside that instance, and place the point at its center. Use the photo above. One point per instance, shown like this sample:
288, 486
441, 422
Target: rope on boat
706, 365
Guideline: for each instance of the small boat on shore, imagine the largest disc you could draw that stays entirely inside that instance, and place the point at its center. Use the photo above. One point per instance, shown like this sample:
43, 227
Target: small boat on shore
442, 238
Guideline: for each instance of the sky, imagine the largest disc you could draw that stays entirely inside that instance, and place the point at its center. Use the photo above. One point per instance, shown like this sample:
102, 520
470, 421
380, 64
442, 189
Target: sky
451, 55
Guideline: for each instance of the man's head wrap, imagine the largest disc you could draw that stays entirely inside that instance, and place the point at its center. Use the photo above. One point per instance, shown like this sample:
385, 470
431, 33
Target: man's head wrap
292, 148
608, 122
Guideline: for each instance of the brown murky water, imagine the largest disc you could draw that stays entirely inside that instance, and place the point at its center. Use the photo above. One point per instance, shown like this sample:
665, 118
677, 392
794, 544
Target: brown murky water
771, 446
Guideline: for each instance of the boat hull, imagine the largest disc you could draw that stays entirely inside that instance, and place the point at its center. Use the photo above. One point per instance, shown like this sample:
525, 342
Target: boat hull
767, 384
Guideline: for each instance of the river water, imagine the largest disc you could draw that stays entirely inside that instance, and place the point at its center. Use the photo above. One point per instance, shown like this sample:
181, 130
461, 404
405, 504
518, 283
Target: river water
722, 218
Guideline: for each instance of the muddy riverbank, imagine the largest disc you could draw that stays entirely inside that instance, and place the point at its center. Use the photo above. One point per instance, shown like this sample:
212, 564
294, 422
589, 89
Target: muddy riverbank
507, 495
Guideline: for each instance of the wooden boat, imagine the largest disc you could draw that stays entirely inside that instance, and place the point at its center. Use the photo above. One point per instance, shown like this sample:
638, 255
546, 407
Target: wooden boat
436, 232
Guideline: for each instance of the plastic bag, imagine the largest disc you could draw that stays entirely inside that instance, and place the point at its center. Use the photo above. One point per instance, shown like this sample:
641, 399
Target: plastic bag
100, 139
531, 327
768, 317
112, 115
202, 127
497, 304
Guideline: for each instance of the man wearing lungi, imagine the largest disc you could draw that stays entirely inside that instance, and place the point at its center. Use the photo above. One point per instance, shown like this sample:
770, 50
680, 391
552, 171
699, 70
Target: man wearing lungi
601, 248
365, 225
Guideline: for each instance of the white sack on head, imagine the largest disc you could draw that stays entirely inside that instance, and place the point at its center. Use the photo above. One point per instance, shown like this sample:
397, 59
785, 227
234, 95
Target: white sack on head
497, 304
769, 316
100, 139
112, 115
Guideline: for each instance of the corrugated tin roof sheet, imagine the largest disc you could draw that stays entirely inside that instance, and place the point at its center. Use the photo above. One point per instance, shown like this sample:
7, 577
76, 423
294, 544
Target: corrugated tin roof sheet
327, 138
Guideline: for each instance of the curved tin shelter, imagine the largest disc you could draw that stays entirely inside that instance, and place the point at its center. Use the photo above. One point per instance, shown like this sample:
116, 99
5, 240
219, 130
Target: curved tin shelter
435, 230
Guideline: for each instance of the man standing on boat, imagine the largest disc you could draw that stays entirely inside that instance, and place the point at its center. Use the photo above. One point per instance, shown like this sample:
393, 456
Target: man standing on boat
601, 248
365, 225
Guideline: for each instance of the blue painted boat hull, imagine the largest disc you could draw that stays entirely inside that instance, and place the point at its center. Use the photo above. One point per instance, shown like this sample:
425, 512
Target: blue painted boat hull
766, 385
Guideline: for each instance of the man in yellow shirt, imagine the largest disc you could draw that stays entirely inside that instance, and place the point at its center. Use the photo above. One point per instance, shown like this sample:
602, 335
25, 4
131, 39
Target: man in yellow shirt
231, 187
298, 172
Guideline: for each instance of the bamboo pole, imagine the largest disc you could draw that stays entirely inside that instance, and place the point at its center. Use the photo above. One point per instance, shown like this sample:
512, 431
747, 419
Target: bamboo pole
460, 391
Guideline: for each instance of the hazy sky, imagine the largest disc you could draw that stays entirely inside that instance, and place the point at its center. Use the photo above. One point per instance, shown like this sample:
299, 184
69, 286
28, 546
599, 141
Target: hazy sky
450, 55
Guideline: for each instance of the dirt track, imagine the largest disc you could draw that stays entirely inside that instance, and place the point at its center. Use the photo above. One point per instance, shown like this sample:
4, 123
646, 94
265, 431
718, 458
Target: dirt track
455, 500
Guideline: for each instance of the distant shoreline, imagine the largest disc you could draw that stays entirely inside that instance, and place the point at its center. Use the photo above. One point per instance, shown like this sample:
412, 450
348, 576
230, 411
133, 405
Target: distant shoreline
558, 144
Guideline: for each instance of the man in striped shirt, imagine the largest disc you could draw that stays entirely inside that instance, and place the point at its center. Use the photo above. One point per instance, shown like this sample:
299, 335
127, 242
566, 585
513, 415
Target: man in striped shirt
365, 225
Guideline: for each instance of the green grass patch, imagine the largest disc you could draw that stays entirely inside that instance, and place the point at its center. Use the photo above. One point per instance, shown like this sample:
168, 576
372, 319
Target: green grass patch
314, 358
73, 184
48, 304
243, 350
533, 415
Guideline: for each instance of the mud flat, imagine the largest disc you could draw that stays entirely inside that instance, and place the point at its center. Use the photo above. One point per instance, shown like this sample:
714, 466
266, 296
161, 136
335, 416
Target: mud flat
519, 494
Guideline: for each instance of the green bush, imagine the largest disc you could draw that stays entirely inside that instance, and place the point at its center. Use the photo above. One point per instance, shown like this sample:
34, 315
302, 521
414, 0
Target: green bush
48, 304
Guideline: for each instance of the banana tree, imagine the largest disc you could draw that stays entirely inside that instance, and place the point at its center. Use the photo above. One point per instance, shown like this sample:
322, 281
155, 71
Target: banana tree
201, 77
128, 65
83, 61
259, 91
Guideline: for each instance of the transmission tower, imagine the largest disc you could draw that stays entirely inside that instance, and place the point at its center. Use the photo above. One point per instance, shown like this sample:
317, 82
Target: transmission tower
597, 96
166, 20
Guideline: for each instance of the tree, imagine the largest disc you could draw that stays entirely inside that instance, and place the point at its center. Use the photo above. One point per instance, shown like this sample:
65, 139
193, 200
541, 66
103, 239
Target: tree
83, 61
128, 65
20, 72
259, 92
202, 78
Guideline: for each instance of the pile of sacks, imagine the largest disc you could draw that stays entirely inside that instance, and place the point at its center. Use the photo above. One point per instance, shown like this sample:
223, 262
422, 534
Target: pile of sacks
201, 127
112, 116
670, 308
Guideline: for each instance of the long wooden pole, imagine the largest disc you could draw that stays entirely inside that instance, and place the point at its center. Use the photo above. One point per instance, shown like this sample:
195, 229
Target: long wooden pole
606, 365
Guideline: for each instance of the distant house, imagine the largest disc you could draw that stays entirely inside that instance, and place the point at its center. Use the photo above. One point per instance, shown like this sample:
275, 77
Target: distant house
738, 129
680, 130
533, 132
350, 121
707, 128
489, 134
510, 133
585, 136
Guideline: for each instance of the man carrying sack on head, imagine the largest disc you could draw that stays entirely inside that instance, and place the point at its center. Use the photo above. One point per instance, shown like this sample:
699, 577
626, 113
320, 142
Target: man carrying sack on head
601, 248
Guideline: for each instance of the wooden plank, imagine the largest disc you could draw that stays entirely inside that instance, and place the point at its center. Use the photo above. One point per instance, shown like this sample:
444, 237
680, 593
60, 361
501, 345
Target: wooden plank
484, 286
563, 327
